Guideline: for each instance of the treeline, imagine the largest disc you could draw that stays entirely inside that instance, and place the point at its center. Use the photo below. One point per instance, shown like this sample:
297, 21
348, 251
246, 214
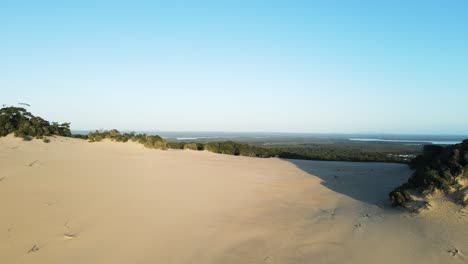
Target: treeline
227, 147
241, 149
333, 153
23, 124
157, 142
149, 141
437, 168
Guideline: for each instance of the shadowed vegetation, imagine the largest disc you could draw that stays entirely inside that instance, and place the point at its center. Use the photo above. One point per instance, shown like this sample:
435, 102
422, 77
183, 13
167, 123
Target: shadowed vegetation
437, 168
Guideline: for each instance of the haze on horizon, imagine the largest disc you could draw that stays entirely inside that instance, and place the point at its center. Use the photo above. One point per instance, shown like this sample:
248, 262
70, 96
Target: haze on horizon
278, 66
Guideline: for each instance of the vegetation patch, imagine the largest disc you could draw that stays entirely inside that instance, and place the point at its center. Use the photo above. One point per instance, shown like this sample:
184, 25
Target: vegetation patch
149, 141
23, 124
438, 168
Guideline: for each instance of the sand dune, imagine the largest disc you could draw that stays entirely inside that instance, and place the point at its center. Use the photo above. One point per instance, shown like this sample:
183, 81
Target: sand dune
70, 201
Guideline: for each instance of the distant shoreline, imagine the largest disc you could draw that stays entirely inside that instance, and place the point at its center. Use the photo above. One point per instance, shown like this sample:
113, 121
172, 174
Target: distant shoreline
442, 142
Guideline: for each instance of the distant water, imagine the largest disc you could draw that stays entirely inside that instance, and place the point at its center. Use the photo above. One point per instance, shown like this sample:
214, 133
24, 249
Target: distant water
192, 138
436, 142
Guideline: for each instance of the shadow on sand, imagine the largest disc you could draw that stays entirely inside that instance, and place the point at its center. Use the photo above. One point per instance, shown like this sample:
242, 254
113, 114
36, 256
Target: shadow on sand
367, 182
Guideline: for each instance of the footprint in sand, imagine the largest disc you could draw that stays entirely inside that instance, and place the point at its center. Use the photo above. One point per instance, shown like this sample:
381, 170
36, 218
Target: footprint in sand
332, 212
70, 236
9, 232
1, 179
453, 251
33, 249
33, 163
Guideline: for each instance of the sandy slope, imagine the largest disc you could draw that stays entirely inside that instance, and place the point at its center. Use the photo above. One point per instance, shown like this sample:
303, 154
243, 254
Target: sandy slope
70, 201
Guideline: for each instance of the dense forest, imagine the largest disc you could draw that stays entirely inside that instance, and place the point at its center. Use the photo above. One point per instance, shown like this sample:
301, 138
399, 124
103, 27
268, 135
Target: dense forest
23, 124
437, 168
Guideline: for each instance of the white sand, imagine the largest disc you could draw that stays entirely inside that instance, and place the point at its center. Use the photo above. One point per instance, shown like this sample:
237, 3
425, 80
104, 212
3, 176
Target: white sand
70, 201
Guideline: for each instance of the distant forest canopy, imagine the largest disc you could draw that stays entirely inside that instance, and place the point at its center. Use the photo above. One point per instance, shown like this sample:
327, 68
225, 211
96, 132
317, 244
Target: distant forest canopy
21, 123
242, 149
437, 168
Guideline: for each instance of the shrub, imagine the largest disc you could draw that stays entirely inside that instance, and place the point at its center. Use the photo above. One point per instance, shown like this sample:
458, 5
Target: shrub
437, 168
400, 195
192, 146
23, 124
176, 145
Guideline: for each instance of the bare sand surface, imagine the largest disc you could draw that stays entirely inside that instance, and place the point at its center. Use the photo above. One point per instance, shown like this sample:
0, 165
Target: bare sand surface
70, 201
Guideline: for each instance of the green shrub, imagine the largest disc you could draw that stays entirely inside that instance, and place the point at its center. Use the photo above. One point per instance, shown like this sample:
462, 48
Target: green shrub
400, 195
437, 168
176, 145
27, 138
23, 124
192, 146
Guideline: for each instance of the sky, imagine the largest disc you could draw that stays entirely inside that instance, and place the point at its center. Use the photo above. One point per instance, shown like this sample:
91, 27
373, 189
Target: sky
269, 66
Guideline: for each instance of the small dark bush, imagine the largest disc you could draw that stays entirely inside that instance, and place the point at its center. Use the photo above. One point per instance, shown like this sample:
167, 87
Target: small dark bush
400, 195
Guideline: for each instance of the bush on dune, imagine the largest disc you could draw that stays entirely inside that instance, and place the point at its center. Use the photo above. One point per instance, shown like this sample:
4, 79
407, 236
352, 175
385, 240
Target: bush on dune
192, 146
149, 141
21, 123
437, 168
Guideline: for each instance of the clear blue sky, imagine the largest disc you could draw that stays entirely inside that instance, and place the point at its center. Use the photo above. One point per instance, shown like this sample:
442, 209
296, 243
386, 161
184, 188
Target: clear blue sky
285, 66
